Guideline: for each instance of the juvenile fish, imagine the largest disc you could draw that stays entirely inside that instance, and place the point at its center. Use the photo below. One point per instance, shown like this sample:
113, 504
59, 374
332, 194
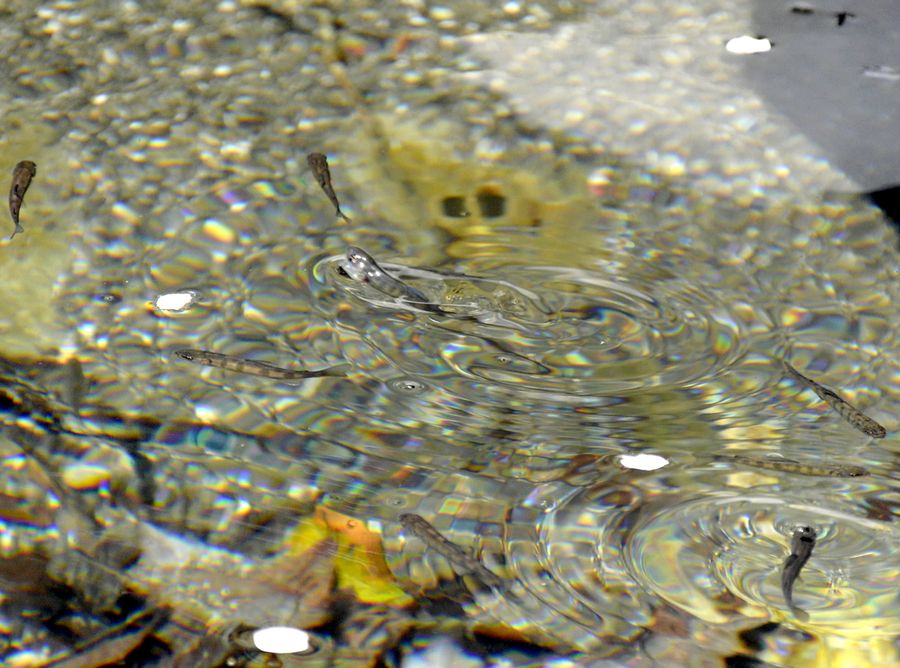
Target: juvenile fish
850, 413
362, 267
23, 172
76, 385
318, 163
461, 561
505, 360
254, 368
802, 543
791, 466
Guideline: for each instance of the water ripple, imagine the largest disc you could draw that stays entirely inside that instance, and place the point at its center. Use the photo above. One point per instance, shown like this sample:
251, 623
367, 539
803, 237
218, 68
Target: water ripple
719, 557
555, 332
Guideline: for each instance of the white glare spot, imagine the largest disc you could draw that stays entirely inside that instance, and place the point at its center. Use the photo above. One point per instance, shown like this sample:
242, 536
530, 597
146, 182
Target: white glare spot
643, 462
882, 72
745, 44
281, 640
175, 301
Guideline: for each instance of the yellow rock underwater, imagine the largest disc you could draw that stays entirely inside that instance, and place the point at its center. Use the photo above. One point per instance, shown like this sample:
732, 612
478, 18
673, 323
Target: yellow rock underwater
417, 174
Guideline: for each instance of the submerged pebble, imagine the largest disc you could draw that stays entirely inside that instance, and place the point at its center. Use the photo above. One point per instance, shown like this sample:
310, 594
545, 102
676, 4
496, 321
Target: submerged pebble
85, 476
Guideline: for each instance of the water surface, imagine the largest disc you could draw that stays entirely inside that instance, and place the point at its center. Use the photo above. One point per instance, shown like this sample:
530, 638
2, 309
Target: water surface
618, 276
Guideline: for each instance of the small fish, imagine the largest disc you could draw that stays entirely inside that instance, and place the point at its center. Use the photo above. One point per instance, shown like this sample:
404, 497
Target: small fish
362, 267
460, 561
23, 172
318, 163
240, 365
143, 466
76, 385
850, 413
504, 360
802, 543
791, 466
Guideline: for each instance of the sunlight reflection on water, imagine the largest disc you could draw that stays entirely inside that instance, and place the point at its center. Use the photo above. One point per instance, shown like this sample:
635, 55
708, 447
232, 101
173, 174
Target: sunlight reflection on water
574, 376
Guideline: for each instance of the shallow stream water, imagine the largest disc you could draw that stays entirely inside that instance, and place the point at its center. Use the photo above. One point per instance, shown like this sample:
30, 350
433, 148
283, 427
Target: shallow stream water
591, 403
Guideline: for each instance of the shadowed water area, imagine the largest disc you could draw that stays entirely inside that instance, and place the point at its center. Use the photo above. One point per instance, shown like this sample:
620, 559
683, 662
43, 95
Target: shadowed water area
548, 420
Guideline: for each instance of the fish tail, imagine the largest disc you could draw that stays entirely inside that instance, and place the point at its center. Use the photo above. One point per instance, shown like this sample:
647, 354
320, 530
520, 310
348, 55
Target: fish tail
344, 216
802, 615
788, 596
18, 229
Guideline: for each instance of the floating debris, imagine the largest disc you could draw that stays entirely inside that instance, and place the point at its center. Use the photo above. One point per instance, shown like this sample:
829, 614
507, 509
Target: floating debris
807, 10
850, 413
23, 172
791, 466
461, 561
841, 17
318, 163
802, 543
254, 368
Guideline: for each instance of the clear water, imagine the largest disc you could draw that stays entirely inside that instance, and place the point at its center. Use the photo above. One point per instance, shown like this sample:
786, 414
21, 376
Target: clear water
624, 245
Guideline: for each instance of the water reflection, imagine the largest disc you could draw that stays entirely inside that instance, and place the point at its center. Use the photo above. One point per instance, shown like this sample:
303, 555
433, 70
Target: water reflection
599, 334
569, 365
508, 423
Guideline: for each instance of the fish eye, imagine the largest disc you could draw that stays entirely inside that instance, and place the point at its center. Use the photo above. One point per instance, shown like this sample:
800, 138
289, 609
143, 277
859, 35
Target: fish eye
407, 386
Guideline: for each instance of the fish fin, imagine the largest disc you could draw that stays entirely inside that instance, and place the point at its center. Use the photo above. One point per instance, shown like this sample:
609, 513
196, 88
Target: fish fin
802, 615
337, 371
